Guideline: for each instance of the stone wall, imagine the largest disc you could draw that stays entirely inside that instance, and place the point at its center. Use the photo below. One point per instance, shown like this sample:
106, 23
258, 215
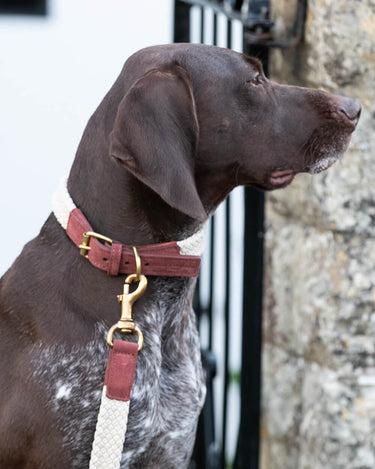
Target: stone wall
319, 330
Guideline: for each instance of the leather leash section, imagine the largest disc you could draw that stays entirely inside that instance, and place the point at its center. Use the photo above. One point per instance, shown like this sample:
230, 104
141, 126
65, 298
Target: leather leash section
163, 259
114, 408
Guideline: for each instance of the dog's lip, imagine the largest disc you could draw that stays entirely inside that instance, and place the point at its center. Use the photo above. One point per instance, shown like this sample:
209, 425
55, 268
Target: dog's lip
282, 177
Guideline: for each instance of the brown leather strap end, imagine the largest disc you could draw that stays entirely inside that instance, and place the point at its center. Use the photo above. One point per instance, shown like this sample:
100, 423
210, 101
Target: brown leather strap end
120, 372
114, 259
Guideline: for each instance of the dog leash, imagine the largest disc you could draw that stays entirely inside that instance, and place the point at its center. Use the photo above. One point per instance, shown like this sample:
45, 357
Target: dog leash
181, 258
113, 414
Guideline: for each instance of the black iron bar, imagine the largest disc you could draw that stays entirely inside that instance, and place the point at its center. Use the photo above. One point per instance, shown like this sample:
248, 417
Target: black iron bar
215, 30
229, 34
211, 282
226, 306
226, 330
247, 454
181, 22
202, 25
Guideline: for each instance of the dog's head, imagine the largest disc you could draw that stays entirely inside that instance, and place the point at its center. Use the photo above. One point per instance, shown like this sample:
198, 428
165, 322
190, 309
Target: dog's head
196, 121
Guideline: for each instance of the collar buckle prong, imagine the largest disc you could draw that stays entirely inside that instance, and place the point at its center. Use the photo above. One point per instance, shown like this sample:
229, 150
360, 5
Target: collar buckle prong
84, 247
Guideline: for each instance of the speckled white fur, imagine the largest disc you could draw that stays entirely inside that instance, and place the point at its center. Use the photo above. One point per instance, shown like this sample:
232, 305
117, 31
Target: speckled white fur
168, 391
324, 163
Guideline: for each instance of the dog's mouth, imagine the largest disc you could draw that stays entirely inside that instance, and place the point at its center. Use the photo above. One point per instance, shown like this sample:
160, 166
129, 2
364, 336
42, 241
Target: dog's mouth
282, 178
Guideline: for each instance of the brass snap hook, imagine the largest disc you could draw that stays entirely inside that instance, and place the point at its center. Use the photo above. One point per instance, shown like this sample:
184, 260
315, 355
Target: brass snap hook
126, 323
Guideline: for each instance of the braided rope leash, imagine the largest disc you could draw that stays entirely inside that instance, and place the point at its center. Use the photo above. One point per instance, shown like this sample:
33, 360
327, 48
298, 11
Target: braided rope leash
118, 382
114, 408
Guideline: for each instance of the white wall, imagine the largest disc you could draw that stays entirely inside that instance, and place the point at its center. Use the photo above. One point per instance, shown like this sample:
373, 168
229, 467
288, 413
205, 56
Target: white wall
54, 71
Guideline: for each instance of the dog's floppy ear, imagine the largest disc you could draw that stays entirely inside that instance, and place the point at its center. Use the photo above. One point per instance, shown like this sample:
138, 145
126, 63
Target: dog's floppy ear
155, 137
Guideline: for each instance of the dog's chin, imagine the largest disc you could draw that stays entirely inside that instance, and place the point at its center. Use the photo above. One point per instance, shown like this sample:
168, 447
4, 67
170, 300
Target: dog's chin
282, 178
326, 155
324, 163
320, 158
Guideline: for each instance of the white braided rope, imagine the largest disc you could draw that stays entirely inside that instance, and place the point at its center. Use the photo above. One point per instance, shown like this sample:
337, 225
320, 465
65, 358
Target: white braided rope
194, 245
63, 205
110, 433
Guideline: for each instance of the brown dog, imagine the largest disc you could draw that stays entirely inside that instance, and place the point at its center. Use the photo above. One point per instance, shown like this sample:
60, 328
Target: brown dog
181, 127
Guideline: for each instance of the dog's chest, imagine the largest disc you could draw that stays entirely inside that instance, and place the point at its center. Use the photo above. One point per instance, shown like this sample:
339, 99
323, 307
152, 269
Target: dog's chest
166, 400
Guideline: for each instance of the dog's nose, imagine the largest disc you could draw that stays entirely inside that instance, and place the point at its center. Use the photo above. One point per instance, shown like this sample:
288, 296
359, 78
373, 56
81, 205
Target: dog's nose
351, 109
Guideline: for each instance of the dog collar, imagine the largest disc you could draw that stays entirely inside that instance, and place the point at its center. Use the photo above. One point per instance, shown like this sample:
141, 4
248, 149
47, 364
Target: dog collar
172, 259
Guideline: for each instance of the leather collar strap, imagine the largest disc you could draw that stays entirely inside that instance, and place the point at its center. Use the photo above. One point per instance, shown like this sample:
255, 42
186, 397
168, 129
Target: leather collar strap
166, 259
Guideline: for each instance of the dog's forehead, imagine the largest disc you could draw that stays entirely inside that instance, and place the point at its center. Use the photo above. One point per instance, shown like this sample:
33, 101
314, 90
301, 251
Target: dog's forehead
202, 62
215, 61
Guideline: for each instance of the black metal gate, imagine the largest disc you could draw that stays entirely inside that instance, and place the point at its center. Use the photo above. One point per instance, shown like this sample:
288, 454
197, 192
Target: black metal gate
215, 435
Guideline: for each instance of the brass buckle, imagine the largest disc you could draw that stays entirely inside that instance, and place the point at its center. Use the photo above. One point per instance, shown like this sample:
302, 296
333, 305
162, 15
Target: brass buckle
84, 247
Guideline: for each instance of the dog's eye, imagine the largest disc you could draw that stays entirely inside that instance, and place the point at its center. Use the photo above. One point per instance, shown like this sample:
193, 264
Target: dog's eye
256, 80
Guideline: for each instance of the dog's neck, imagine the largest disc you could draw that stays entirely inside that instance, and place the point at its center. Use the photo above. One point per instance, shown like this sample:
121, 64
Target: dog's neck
124, 209
117, 204
75, 223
